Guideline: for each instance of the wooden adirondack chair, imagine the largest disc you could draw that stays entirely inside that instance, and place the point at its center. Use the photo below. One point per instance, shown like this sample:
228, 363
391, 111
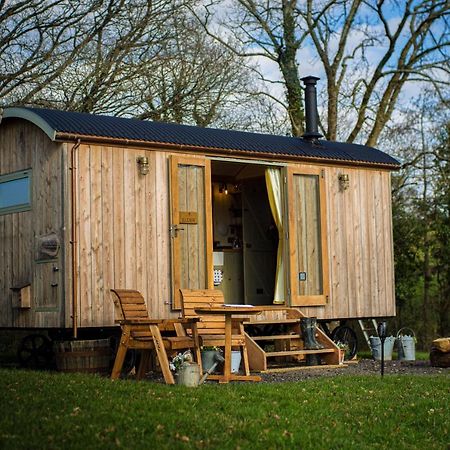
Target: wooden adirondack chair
211, 327
141, 332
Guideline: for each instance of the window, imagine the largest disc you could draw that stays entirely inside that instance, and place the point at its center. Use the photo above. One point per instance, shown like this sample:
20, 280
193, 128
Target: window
15, 192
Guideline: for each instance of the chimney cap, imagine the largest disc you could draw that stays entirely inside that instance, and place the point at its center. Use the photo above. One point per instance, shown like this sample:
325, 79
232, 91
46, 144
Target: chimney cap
310, 79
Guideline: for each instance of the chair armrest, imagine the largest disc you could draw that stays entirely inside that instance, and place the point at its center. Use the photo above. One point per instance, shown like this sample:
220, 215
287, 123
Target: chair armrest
174, 324
183, 320
140, 322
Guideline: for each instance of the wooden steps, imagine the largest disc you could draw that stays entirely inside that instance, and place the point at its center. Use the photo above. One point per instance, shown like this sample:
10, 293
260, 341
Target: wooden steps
274, 341
276, 337
299, 352
271, 322
292, 369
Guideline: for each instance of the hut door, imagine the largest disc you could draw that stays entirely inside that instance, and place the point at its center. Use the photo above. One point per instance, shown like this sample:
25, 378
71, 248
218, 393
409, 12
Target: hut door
309, 282
191, 225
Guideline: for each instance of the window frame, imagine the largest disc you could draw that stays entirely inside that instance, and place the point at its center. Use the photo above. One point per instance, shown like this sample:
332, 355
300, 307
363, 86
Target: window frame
13, 177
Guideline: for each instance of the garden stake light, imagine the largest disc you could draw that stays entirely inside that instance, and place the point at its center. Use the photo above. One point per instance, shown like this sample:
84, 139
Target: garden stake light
382, 327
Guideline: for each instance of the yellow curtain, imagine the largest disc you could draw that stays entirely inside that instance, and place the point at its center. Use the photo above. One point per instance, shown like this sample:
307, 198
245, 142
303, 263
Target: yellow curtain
274, 184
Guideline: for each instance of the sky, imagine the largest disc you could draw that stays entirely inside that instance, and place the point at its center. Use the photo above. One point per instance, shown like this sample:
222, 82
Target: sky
309, 63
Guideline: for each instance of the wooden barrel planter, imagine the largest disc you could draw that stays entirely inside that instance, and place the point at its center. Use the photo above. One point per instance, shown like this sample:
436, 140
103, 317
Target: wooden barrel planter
88, 356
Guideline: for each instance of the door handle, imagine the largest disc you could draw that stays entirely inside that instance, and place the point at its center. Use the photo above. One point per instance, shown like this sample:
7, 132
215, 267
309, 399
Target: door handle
174, 229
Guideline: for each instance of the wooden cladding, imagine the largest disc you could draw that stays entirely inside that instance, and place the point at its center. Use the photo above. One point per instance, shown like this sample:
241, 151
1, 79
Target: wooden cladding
307, 237
122, 231
26, 150
191, 225
359, 235
339, 263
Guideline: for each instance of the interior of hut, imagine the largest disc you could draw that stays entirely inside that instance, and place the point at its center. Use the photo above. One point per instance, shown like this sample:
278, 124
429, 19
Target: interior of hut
245, 234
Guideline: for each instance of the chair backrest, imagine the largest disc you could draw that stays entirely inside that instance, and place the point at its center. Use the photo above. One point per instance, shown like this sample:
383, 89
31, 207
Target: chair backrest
129, 304
209, 324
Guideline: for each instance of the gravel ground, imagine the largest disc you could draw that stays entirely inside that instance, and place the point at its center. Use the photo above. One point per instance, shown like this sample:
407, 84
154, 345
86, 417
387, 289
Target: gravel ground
363, 367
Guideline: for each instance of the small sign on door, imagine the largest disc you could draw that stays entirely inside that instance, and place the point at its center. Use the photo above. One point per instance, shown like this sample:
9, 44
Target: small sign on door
189, 217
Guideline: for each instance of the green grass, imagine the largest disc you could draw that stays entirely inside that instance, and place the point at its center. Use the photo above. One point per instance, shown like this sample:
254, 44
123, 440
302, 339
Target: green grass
420, 356
53, 411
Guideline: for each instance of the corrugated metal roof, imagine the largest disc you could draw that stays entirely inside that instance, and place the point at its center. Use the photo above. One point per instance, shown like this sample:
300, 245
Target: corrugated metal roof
82, 124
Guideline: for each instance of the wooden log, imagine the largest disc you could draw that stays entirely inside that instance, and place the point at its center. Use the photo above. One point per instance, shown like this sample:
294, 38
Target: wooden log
442, 345
439, 359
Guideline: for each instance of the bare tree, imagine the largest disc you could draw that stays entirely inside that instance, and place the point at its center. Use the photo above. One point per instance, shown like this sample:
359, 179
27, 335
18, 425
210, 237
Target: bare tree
40, 40
83, 53
134, 58
269, 30
194, 80
369, 50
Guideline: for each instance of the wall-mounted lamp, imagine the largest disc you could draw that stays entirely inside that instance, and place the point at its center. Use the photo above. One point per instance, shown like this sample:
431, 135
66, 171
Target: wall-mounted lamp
223, 189
344, 181
144, 166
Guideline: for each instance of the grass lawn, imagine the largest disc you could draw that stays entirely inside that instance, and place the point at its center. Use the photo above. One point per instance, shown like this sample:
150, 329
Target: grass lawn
420, 356
60, 411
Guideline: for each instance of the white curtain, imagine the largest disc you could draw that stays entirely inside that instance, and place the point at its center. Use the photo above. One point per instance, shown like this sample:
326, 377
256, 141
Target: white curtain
274, 190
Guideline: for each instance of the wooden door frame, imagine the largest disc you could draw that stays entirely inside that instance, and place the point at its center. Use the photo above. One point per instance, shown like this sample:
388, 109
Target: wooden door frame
295, 298
175, 161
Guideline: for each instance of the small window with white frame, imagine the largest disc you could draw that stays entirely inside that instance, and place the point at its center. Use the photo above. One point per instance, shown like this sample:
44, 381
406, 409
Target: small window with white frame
15, 192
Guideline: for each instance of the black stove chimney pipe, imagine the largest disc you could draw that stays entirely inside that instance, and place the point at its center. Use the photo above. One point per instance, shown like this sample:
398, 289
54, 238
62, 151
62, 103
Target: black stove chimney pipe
311, 114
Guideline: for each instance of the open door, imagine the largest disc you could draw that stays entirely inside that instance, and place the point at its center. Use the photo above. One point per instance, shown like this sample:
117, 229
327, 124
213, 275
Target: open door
260, 243
191, 225
309, 282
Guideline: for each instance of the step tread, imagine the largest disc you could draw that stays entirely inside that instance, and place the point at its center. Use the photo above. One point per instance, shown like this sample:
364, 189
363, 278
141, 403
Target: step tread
298, 367
275, 337
298, 352
272, 322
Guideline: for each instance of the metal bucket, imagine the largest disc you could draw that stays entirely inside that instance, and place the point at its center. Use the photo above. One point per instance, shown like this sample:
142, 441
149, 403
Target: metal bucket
208, 359
406, 345
375, 347
188, 375
235, 361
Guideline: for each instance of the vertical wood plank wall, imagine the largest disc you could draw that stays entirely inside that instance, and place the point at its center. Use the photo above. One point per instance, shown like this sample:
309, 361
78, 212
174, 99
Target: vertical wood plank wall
360, 246
24, 146
125, 219
123, 231
123, 234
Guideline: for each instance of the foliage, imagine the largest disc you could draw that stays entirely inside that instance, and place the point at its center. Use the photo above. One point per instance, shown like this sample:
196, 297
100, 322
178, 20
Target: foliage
342, 345
212, 348
421, 219
45, 410
179, 360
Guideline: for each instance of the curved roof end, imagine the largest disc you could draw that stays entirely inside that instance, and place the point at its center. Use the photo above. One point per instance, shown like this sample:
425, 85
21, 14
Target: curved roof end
30, 116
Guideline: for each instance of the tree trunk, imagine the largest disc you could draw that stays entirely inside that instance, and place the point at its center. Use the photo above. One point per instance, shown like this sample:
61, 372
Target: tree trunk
294, 94
288, 66
331, 133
